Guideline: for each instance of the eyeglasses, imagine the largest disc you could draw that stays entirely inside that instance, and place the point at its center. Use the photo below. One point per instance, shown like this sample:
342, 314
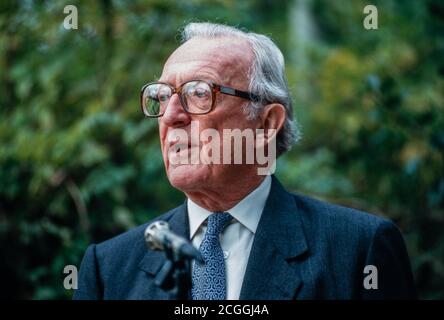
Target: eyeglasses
196, 96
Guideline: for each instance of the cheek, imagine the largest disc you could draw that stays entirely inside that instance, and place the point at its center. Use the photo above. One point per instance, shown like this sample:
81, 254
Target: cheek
162, 133
230, 116
233, 120
163, 130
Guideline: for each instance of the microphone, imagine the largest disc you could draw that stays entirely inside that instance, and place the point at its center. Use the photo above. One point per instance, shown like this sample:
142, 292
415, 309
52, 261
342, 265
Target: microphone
158, 236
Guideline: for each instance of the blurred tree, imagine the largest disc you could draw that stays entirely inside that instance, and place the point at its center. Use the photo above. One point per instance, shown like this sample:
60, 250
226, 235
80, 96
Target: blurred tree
80, 164
372, 108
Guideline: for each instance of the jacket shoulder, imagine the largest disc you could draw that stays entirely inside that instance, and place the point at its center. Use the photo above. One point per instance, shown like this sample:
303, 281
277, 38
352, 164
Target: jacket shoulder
332, 217
343, 241
343, 231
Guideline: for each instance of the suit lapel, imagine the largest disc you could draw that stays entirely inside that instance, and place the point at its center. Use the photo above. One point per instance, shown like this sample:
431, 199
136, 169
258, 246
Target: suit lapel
272, 270
153, 260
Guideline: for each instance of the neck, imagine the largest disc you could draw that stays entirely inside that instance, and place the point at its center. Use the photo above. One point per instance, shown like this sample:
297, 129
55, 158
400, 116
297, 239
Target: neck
224, 198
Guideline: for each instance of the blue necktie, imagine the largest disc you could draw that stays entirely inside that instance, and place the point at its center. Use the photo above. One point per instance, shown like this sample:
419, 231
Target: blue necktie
209, 282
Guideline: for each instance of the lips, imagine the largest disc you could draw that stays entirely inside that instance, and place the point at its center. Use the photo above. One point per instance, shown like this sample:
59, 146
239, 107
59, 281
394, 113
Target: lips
177, 144
180, 147
181, 154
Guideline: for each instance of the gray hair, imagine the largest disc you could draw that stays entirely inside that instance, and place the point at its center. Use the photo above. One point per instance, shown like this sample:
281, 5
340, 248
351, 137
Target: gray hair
267, 75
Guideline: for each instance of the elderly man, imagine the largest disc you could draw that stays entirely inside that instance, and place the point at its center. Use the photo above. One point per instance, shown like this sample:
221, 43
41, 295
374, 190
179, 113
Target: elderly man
258, 241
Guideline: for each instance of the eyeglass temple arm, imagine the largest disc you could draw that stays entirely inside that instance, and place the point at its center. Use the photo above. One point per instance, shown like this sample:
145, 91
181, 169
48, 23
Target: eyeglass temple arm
239, 93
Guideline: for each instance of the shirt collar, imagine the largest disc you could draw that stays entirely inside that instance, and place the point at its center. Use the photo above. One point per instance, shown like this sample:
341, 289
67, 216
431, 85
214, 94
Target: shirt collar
248, 211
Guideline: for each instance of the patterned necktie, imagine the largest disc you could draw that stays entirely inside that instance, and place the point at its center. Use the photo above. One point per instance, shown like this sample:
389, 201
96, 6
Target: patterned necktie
209, 282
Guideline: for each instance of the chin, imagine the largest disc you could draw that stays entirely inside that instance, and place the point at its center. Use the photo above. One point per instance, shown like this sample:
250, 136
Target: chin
188, 177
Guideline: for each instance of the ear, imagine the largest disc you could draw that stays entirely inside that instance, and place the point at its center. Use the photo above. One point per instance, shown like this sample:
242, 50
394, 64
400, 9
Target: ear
273, 117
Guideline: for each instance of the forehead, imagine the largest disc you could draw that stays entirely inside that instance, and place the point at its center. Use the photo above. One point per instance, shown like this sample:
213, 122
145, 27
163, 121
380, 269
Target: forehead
223, 60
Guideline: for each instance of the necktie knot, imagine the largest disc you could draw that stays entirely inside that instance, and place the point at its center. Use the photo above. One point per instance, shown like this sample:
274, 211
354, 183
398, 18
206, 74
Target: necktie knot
217, 223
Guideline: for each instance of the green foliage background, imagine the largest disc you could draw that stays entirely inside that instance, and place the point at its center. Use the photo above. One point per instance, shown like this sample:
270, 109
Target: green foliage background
79, 163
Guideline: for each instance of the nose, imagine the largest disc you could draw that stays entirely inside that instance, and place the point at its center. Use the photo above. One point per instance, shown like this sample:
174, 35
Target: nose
175, 115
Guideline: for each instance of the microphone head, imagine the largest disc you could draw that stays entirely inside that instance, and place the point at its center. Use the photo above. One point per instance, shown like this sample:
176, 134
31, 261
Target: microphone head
152, 236
158, 236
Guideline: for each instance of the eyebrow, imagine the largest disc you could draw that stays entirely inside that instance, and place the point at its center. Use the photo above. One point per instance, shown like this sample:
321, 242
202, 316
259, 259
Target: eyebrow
199, 74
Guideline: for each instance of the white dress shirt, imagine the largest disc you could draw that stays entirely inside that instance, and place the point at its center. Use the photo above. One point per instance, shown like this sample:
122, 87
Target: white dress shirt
237, 238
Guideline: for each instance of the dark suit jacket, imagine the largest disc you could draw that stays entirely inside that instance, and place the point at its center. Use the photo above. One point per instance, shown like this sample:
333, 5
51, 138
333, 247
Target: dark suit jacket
303, 249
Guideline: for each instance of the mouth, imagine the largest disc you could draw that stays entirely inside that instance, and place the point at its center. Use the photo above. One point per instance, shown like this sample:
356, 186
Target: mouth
180, 149
176, 147
180, 153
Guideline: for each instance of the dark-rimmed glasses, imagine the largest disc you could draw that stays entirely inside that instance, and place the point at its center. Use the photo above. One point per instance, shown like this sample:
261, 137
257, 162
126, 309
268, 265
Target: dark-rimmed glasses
196, 96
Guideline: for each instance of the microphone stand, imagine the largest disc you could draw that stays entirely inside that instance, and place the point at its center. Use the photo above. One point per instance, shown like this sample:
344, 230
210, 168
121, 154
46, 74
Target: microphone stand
175, 274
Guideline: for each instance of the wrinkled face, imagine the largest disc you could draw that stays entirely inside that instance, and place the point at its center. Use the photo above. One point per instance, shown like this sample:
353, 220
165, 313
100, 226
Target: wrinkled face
224, 61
